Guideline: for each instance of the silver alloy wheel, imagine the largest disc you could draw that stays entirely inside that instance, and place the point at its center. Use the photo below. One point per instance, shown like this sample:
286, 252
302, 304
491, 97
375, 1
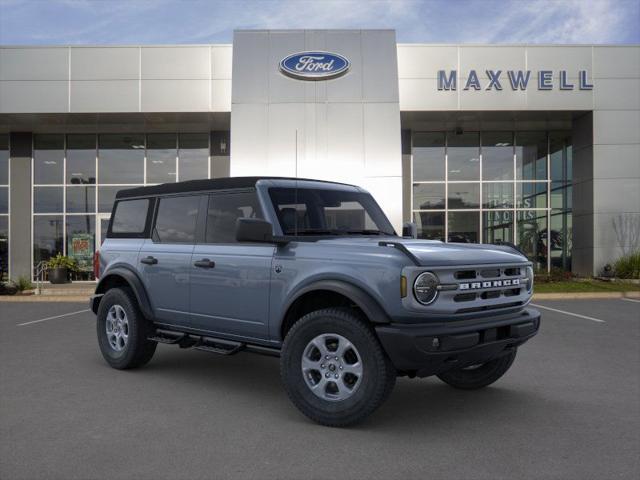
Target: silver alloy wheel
117, 327
332, 367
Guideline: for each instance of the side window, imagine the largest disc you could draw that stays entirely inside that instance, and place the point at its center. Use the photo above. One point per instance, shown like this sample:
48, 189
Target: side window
176, 219
130, 217
224, 210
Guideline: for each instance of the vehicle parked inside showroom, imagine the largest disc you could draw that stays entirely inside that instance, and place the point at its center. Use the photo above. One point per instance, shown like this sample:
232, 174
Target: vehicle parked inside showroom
312, 272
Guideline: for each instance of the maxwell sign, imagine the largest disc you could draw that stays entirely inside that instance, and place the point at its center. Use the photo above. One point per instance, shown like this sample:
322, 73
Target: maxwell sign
516, 79
314, 65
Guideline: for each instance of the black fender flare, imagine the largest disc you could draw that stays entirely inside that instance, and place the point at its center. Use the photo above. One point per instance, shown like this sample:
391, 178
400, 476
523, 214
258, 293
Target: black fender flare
134, 282
365, 302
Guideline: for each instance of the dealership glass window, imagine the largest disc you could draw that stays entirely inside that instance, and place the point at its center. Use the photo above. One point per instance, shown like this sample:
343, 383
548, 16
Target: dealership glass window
81, 159
48, 159
4, 247
193, 156
560, 156
430, 225
532, 236
48, 238
463, 156
531, 195
428, 196
464, 195
48, 200
121, 158
497, 195
463, 227
560, 239
81, 199
497, 155
80, 235
4, 200
106, 197
428, 157
498, 226
162, 152
4, 159
531, 155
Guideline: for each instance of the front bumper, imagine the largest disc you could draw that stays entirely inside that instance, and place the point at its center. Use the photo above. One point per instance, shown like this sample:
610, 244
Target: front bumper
429, 349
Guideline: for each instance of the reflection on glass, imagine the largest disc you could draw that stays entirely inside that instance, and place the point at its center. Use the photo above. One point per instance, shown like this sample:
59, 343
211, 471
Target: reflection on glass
48, 159
463, 155
497, 156
560, 153
193, 156
561, 195
531, 155
81, 199
561, 239
428, 196
121, 159
4, 247
47, 200
161, 157
498, 226
464, 195
47, 237
532, 236
81, 159
430, 225
531, 195
106, 196
464, 227
428, 157
4, 159
81, 243
4, 199
497, 195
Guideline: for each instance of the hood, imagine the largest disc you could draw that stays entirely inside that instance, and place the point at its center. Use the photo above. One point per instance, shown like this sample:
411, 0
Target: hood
434, 253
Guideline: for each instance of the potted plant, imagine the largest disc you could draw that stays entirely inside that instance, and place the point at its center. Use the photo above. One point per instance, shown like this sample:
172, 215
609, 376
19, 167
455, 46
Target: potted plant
59, 268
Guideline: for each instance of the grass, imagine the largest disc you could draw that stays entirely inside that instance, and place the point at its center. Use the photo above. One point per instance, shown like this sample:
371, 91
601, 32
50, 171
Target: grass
571, 286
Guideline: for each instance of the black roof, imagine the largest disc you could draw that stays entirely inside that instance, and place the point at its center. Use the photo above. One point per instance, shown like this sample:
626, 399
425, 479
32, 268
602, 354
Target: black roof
201, 185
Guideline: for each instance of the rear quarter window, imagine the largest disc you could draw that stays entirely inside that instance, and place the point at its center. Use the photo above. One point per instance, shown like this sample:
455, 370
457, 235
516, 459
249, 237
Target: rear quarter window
130, 217
176, 219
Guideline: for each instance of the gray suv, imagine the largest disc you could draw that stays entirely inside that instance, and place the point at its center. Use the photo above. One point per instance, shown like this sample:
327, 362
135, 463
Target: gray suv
314, 273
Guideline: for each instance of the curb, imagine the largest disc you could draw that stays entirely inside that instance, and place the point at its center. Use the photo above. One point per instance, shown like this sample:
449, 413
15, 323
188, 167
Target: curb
583, 295
44, 298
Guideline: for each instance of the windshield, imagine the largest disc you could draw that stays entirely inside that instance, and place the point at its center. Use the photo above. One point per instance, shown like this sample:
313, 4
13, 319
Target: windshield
311, 211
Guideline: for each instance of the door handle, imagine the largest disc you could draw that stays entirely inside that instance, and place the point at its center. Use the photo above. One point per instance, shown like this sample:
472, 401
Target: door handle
149, 260
204, 263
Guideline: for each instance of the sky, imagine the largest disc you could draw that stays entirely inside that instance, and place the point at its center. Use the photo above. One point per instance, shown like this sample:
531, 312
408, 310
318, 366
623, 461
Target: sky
121, 22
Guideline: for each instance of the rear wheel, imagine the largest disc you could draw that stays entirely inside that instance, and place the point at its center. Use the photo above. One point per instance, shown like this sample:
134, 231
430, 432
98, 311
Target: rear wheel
481, 375
334, 369
123, 330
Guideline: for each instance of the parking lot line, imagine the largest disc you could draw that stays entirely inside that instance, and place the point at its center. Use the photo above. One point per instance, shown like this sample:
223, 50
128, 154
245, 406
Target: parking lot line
52, 318
568, 313
630, 300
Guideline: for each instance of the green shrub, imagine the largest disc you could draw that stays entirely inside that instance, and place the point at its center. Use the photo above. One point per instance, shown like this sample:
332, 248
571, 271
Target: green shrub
628, 266
23, 283
62, 261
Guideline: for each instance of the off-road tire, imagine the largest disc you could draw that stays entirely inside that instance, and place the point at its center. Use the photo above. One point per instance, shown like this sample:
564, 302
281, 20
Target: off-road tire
378, 378
480, 377
138, 351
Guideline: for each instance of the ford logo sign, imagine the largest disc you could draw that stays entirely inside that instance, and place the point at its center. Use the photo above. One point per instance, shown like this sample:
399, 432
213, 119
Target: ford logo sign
314, 65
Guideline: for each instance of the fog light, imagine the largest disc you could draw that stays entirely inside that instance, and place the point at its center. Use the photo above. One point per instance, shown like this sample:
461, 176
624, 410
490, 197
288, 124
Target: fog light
425, 288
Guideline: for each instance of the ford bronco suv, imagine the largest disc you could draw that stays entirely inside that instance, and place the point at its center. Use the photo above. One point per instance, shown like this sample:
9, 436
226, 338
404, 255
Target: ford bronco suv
314, 273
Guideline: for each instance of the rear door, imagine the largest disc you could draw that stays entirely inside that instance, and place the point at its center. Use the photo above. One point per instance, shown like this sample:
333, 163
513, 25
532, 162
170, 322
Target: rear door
229, 280
165, 259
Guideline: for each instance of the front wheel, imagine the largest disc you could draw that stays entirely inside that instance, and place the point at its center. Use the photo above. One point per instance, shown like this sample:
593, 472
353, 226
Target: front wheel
334, 369
481, 375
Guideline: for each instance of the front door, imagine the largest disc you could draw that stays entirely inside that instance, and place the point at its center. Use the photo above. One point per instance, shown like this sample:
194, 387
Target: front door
165, 259
230, 281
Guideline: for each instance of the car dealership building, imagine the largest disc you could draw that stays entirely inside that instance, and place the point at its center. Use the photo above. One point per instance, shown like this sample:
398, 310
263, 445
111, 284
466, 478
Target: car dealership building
533, 144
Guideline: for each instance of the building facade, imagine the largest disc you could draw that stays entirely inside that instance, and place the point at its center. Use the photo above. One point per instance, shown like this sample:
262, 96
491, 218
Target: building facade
536, 145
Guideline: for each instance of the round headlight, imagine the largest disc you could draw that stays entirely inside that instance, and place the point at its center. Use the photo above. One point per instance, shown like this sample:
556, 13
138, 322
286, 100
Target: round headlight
425, 288
529, 279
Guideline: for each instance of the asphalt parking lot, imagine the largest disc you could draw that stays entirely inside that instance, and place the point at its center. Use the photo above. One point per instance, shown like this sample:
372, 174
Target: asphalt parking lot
568, 408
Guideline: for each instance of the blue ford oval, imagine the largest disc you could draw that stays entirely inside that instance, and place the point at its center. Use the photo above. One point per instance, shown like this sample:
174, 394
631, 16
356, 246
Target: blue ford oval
314, 65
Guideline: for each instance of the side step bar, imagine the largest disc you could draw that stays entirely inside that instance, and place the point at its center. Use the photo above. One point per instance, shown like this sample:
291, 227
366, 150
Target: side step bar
220, 346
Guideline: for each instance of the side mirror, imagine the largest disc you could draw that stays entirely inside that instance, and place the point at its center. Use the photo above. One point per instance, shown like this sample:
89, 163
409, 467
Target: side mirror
254, 230
409, 230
